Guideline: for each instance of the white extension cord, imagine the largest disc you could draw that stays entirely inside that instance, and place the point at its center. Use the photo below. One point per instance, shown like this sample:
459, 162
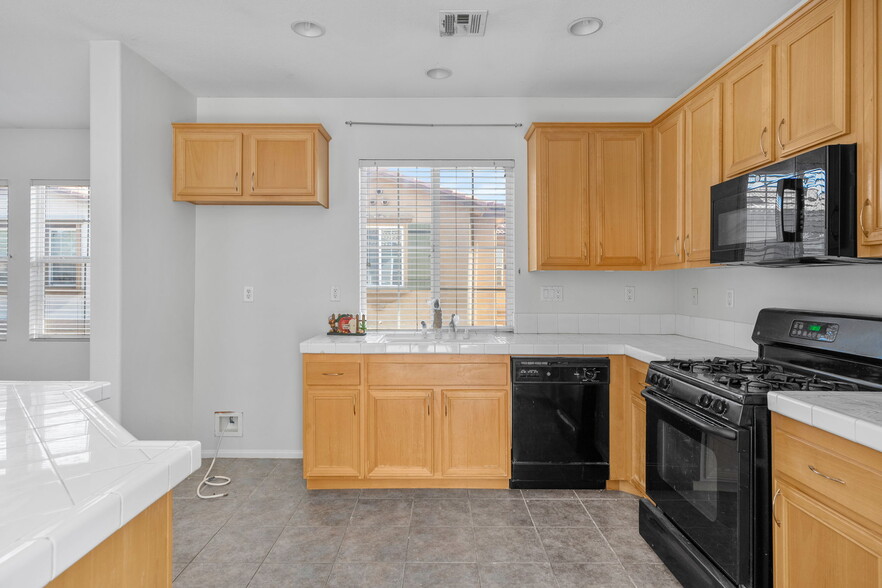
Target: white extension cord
210, 480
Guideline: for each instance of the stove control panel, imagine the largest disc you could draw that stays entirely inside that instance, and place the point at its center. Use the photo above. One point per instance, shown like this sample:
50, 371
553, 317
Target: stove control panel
824, 332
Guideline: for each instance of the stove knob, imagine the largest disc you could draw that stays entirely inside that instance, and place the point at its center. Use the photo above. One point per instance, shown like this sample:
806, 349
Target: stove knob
653, 379
720, 406
704, 401
664, 382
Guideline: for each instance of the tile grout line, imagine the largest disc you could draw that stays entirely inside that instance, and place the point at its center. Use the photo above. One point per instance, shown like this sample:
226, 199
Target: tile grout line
257, 569
538, 536
605, 540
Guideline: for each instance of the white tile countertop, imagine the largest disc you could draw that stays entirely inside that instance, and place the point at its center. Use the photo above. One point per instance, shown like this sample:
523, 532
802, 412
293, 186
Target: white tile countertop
642, 347
856, 416
70, 476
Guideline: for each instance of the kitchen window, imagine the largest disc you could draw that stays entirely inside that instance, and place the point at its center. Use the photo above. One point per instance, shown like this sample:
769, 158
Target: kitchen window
436, 229
4, 257
60, 260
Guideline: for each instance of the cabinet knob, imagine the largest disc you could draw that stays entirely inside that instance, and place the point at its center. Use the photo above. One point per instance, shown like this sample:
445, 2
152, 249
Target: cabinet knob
778, 133
762, 143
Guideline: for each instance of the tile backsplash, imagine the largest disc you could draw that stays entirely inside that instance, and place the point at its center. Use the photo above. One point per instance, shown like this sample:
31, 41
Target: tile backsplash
717, 331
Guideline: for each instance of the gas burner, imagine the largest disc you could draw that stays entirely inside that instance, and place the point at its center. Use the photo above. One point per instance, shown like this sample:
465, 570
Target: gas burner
730, 380
752, 367
758, 386
682, 364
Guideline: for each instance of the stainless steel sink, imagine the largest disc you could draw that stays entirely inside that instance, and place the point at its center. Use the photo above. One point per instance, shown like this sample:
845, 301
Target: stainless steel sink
474, 337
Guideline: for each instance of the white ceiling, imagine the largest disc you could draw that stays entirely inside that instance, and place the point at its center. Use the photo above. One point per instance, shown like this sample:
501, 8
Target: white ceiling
373, 48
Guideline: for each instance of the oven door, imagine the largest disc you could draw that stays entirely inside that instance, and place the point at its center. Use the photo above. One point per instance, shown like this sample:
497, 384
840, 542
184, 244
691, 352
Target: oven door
698, 474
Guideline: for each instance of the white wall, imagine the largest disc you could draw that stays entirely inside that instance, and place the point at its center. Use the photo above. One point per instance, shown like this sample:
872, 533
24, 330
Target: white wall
247, 355
25, 155
145, 269
855, 289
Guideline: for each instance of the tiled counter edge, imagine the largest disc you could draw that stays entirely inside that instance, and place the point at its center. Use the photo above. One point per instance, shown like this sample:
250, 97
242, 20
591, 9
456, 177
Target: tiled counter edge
61, 537
855, 416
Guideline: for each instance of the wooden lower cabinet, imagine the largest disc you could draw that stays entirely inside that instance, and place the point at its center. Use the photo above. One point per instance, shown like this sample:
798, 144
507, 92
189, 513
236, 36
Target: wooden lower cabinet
627, 426
826, 513
406, 421
475, 437
332, 443
399, 433
138, 554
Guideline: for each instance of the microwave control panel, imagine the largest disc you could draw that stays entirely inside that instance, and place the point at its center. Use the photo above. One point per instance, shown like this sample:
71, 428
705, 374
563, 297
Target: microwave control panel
825, 332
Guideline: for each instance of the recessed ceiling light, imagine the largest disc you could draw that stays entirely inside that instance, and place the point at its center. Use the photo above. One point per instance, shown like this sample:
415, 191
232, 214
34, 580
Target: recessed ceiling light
306, 28
439, 73
585, 26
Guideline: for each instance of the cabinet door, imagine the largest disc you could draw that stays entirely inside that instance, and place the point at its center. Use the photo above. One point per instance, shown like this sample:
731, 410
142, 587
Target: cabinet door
870, 195
815, 546
562, 200
207, 164
703, 145
475, 440
399, 433
669, 191
331, 433
812, 83
280, 164
617, 197
638, 442
747, 114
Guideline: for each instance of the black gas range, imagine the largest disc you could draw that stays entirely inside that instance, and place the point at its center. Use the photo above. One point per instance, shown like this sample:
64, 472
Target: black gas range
708, 440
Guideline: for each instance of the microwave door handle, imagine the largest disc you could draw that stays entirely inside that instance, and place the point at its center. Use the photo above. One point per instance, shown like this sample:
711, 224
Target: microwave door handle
783, 186
705, 426
799, 221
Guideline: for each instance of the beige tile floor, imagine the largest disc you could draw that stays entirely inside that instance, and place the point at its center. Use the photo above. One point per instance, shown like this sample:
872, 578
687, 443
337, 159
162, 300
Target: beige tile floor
271, 531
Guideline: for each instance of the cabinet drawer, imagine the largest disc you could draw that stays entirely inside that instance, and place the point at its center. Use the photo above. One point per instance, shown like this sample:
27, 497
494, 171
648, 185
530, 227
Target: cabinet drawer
333, 373
812, 464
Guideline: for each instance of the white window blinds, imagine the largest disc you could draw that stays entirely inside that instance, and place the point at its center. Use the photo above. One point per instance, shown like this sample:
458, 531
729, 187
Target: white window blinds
437, 229
60, 282
4, 257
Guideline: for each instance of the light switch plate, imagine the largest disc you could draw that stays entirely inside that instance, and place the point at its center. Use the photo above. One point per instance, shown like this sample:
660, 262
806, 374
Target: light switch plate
694, 296
730, 298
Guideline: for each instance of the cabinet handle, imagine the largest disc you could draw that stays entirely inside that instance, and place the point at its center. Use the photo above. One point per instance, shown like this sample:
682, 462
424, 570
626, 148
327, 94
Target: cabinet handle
774, 516
446, 402
762, 143
861, 218
677, 246
831, 478
332, 374
778, 133
428, 408
601, 250
353, 406
236, 181
584, 250
686, 245
252, 181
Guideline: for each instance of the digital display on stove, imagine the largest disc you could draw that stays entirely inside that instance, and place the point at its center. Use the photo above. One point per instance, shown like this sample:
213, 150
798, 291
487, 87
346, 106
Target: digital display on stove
824, 332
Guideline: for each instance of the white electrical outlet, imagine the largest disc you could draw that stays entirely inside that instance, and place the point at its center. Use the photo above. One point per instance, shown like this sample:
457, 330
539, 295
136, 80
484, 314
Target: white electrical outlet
551, 293
629, 293
228, 423
248, 294
730, 298
694, 296
334, 295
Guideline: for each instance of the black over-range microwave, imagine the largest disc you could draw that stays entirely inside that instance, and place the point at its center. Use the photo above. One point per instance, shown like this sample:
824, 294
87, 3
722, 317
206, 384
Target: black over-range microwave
798, 211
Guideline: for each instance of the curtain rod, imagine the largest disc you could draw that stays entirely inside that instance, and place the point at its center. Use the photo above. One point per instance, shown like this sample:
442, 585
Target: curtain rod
350, 123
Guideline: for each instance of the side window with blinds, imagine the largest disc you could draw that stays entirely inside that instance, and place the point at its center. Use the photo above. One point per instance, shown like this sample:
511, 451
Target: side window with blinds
60, 262
4, 257
436, 229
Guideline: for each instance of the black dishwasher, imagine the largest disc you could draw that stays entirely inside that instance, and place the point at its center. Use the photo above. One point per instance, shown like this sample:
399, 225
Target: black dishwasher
560, 422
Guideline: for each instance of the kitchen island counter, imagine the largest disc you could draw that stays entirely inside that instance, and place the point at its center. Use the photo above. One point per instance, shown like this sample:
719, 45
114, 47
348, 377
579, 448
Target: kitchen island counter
72, 476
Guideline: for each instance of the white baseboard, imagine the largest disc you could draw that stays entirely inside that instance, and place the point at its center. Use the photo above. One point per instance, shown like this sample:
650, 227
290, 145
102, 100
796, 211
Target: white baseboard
258, 453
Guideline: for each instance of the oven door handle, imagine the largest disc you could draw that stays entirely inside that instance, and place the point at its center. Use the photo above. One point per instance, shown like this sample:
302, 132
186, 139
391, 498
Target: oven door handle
699, 422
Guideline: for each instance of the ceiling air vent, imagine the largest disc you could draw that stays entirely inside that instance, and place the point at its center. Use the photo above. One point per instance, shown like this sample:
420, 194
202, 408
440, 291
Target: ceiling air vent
463, 23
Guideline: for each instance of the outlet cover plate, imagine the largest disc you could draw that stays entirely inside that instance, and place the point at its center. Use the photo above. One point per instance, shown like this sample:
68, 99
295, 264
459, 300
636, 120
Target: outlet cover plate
551, 293
630, 292
334, 294
730, 298
694, 296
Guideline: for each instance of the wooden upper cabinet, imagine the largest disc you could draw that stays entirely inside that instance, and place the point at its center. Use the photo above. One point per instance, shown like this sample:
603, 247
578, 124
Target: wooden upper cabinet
207, 164
702, 153
669, 149
561, 201
475, 437
331, 432
812, 98
399, 433
251, 164
618, 198
747, 113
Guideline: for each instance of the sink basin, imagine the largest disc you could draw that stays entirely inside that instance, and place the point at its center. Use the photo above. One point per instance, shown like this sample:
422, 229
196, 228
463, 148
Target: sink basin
403, 338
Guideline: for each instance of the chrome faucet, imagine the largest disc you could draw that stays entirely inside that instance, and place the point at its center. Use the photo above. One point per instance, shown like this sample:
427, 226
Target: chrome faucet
454, 320
435, 303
